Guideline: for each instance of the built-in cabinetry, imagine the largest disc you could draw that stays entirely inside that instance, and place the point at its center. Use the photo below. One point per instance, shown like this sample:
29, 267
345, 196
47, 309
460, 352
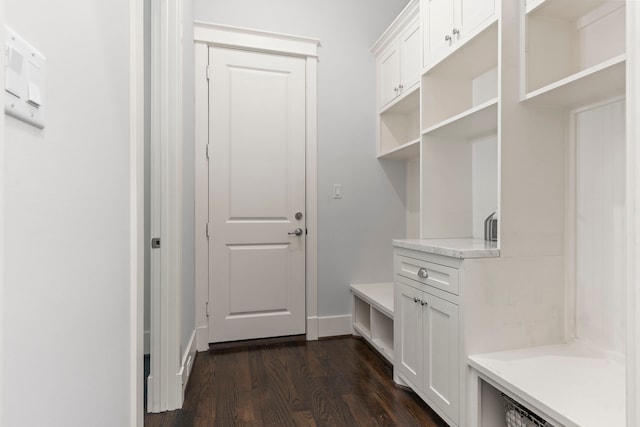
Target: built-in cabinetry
520, 112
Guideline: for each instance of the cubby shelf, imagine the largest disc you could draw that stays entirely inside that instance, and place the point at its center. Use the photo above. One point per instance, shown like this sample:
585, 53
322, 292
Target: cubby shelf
475, 122
399, 128
372, 315
597, 82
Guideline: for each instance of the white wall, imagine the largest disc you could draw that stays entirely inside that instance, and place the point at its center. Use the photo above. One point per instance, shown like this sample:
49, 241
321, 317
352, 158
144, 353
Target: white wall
66, 282
355, 232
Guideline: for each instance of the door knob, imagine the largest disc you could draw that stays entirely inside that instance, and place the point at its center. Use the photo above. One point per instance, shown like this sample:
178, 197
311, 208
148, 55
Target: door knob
298, 215
423, 273
297, 232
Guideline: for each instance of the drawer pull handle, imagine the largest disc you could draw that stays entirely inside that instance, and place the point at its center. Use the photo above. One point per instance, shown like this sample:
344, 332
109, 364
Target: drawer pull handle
423, 273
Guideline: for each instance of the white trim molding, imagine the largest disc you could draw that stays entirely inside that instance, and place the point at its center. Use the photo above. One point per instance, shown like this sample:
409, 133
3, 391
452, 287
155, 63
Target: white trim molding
189, 356
633, 214
246, 38
164, 386
136, 210
333, 326
209, 34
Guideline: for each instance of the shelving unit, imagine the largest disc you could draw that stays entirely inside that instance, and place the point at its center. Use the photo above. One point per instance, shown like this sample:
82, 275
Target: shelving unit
372, 314
574, 51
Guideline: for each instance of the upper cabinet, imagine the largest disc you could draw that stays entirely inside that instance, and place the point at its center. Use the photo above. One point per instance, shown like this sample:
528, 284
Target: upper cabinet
398, 59
450, 23
398, 68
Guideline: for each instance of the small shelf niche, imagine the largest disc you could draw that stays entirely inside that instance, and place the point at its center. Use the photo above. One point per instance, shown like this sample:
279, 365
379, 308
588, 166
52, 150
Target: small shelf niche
574, 48
459, 185
465, 80
399, 127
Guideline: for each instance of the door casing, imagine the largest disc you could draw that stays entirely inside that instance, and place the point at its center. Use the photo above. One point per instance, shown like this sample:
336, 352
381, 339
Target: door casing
208, 34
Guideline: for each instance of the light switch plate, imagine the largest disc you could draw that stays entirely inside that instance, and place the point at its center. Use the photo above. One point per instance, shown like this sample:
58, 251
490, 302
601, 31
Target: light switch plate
24, 81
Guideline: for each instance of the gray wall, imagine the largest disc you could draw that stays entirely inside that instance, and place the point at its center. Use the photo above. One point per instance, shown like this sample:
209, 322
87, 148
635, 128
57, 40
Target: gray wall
67, 289
355, 232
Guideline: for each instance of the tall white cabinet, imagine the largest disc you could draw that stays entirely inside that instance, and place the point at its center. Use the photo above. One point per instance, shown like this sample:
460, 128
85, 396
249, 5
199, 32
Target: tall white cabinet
527, 110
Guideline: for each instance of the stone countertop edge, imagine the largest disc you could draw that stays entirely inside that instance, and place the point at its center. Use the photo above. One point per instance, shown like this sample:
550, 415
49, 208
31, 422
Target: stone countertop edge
454, 248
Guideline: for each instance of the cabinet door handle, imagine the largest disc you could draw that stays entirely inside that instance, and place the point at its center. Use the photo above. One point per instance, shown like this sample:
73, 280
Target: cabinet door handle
423, 273
395, 89
456, 32
423, 303
400, 87
447, 38
416, 299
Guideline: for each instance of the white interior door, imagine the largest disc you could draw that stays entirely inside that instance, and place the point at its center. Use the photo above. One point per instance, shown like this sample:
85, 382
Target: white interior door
256, 195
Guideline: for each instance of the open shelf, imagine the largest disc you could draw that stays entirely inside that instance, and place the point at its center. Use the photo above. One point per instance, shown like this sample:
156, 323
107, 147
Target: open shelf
571, 384
399, 127
465, 81
475, 122
598, 82
406, 151
574, 51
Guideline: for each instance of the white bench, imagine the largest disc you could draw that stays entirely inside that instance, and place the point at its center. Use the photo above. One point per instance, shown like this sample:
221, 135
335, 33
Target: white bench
570, 385
372, 315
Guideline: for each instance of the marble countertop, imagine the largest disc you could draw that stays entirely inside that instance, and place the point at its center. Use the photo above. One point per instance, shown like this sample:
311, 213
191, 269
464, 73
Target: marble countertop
454, 248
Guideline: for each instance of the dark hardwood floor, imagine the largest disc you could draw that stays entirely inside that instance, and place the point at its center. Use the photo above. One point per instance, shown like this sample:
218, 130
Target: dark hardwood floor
335, 382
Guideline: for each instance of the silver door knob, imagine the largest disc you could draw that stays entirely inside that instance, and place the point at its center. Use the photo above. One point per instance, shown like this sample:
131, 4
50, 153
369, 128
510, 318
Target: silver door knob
456, 32
415, 299
297, 232
447, 38
298, 215
423, 273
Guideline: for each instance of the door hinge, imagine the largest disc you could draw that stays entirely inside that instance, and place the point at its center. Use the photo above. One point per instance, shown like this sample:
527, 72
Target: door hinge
208, 72
206, 228
206, 307
208, 151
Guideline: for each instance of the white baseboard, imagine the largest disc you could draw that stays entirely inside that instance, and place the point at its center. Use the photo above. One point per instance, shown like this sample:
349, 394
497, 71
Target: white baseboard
332, 326
187, 363
312, 328
202, 338
147, 342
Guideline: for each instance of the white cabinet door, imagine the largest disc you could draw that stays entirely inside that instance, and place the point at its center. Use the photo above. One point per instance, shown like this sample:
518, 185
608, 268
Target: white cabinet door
410, 54
389, 74
473, 13
439, 21
441, 354
408, 333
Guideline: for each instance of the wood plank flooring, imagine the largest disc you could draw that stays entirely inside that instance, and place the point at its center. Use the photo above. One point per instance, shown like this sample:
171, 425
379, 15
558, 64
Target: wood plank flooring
335, 382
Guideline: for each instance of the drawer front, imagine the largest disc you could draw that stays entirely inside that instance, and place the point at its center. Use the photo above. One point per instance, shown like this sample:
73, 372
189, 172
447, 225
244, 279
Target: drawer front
428, 273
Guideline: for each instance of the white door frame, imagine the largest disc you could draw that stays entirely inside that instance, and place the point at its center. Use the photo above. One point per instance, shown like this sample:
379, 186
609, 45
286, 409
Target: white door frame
136, 210
205, 35
165, 379
633, 213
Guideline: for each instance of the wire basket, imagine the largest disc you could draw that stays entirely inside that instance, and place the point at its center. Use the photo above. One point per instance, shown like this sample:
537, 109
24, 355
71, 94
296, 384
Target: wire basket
519, 416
